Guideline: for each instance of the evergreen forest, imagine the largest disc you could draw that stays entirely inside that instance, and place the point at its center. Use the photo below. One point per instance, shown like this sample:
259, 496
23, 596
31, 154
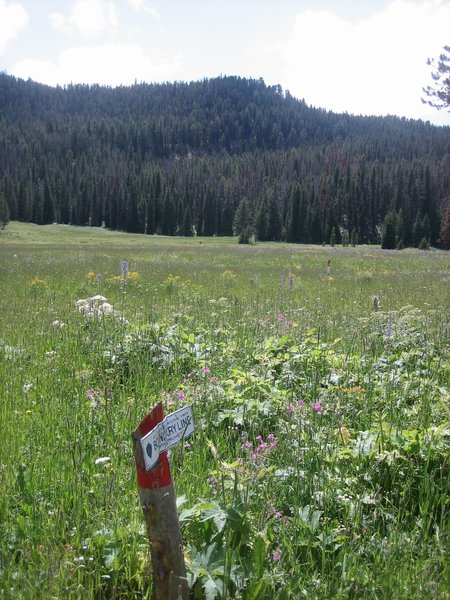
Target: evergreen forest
224, 156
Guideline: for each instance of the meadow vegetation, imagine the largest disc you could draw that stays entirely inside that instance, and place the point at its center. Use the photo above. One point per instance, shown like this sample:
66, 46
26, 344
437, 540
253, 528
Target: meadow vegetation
319, 467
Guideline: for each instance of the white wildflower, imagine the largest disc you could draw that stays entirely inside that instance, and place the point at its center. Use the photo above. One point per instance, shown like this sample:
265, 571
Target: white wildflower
102, 460
107, 308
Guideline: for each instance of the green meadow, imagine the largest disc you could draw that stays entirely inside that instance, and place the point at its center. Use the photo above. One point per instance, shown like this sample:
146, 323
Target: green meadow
319, 379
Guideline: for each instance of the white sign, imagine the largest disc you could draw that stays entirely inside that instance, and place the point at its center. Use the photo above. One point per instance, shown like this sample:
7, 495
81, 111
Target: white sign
174, 428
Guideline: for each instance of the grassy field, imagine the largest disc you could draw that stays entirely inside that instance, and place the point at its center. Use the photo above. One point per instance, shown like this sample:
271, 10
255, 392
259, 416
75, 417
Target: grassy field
319, 467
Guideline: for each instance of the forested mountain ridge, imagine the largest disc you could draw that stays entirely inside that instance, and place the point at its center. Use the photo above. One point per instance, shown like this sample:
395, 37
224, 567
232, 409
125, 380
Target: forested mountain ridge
216, 157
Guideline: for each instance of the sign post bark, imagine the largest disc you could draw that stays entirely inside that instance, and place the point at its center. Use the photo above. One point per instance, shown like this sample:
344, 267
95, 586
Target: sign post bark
158, 501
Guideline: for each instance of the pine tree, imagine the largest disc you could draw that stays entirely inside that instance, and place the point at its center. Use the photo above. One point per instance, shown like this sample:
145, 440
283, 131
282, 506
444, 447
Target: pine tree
4, 209
187, 228
274, 232
389, 237
243, 219
262, 221
445, 229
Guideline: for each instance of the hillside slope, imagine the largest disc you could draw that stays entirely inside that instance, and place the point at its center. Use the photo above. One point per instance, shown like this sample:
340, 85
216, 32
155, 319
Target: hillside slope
215, 157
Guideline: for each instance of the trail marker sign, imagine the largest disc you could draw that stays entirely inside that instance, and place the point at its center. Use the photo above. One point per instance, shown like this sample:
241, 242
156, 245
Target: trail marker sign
175, 427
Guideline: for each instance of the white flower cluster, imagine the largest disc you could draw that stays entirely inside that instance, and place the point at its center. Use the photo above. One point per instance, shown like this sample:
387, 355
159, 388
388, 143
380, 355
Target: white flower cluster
95, 307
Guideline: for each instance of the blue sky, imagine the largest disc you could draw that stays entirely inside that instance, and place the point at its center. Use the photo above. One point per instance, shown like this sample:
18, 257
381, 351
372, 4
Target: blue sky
356, 56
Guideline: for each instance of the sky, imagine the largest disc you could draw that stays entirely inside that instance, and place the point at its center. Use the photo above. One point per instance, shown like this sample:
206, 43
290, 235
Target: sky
355, 56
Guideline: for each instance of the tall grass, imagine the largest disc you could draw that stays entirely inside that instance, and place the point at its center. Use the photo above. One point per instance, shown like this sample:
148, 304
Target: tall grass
320, 463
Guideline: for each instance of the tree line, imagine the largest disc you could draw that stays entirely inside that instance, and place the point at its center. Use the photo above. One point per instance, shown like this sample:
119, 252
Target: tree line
225, 156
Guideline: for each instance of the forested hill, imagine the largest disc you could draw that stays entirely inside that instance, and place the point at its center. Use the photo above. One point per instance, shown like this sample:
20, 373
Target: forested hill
217, 157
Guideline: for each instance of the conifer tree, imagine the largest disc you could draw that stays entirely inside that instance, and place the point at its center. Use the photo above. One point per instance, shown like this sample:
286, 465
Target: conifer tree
274, 225
243, 219
262, 221
389, 236
4, 209
445, 230
187, 229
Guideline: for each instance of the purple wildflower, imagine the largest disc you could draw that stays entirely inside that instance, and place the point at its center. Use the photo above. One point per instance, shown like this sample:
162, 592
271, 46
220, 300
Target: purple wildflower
124, 268
317, 407
283, 319
180, 395
276, 556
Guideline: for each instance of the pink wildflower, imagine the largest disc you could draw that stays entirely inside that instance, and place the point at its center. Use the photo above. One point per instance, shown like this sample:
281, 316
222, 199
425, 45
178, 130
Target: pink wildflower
283, 319
276, 556
289, 409
317, 407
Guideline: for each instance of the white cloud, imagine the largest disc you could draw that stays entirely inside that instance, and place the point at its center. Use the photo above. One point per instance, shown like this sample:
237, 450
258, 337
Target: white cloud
88, 18
13, 20
107, 64
374, 66
143, 5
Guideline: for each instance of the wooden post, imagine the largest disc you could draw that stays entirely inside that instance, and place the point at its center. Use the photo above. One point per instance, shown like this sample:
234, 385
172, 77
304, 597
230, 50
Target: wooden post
158, 501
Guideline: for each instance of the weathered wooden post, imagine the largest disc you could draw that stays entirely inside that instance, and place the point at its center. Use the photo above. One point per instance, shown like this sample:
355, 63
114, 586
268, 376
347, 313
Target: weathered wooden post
151, 441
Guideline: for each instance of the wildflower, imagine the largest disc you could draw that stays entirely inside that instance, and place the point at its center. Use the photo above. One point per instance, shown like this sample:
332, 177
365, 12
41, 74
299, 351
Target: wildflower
36, 282
300, 403
276, 556
59, 324
291, 282
283, 280
317, 407
124, 269
180, 395
26, 388
206, 369
272, 441
274, 513
90, 276
289, 409
99, 278
283, 319
228, 275
211, 481
107, 308
102, 460
213, 380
